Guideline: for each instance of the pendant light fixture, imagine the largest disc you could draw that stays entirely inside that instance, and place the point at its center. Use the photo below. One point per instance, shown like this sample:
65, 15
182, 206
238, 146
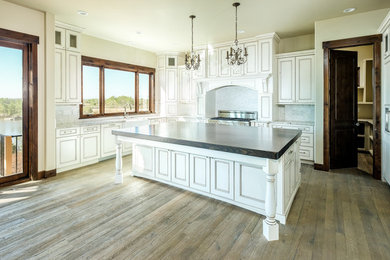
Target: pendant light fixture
236, 56
192, 61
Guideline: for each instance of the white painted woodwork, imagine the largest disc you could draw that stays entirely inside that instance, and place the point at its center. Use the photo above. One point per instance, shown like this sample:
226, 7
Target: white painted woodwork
161, 62
180, 168
171, 109
213, 63
163, 164
73, 77
286, 80
222, 174
68, 131
143, 160
265, 56
185, 86
201, 71
304, 79
306, 153
59, 40
265, 103
251, 64
73, 41
200, 172
108, 143
307, 140
224, 68
171, 61
270, 226
250, 183
90, 147
60, 75
171, 85
68, 151
118, 163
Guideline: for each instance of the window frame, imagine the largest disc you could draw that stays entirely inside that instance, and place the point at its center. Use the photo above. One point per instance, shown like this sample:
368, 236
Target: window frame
107, 64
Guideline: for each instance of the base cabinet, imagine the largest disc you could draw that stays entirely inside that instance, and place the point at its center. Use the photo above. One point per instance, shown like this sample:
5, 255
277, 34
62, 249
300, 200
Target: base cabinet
180, 168
200, 172
143, 160
108, 146
68, 151
163, 164
222, 173
90, 147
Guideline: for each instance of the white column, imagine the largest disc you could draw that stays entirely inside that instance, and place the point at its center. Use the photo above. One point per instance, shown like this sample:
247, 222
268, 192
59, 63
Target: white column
270, 226
118, 173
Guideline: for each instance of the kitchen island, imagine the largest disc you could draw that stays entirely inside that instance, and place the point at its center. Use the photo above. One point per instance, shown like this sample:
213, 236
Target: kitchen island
254, 168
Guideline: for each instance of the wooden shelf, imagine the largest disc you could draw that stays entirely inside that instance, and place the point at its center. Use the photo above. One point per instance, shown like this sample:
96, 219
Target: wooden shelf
365, 103
361, 136
372, 138
371, 152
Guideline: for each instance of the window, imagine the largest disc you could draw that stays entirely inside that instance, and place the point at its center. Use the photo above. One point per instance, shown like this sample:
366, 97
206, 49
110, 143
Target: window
110, 88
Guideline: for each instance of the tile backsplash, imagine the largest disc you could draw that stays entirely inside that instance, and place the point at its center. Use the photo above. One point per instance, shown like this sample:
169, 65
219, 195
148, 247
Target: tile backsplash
67, 113
297, 113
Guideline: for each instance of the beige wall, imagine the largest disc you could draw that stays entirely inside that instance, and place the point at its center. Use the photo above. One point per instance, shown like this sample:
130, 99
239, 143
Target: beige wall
99, 48
299, 43
25, 20
347, 26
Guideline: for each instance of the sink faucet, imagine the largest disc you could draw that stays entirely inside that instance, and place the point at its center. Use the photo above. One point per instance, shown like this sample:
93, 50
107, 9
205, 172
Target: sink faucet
125, 113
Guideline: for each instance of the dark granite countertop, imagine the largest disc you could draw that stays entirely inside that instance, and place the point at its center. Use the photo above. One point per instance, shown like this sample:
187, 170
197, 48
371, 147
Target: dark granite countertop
263, 142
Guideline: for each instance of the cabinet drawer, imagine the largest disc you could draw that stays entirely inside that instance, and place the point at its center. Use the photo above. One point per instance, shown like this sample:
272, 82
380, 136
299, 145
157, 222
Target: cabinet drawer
307, 140
68, 132
90, 129
306, 153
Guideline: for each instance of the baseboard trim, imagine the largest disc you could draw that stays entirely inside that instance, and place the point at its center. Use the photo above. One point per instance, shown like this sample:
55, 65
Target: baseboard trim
47, 174
319, 167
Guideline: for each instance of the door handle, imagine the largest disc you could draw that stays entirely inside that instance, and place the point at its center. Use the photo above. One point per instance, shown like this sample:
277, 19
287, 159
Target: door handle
357, 124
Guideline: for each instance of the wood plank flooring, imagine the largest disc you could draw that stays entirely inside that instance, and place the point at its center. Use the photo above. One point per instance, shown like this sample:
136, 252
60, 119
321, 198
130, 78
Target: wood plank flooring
82, 214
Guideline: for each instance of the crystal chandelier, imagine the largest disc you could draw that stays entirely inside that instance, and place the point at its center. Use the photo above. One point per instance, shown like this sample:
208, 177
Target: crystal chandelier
236, 56
192, 61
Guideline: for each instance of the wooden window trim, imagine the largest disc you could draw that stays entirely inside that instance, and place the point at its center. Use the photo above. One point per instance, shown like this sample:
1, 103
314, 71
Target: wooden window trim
107, 64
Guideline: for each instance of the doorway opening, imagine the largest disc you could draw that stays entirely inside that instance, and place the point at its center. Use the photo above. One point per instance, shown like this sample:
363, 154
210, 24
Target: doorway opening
352, 104
18, 107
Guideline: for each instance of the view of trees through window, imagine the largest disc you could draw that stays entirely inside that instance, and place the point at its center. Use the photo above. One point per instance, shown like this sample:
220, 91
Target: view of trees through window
112, 90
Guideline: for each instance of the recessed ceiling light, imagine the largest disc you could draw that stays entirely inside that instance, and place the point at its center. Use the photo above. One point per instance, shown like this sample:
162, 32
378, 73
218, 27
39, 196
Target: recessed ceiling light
349, 10
241, 31
83, 13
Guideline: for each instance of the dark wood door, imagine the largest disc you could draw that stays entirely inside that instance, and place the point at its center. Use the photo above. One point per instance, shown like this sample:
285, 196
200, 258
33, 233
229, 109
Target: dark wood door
343, 109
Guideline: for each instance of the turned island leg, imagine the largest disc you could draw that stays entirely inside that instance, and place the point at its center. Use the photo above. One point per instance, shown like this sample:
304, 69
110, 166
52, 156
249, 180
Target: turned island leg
118, 172
270, 226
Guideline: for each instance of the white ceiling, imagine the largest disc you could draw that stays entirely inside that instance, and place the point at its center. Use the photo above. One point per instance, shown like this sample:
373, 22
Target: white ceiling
165, 26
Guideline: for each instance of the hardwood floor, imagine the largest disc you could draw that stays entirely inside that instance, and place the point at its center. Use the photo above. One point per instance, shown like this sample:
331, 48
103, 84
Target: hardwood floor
83, 214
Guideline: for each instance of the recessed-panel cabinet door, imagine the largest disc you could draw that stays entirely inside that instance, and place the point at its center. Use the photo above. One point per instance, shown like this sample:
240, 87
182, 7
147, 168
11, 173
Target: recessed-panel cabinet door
222, 178
265, 56
200, 172
184, 85
59, 38
143, 160
59, 76
286, 80
68, 151
224, 68
213, 63
90, 147
163, 169
108, 140
304, 79
251, 64
171, 84
73, 41
250, 185
180, 168
73, 77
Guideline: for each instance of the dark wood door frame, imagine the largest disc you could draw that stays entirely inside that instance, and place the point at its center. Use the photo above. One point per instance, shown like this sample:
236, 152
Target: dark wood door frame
29, 45
374, 40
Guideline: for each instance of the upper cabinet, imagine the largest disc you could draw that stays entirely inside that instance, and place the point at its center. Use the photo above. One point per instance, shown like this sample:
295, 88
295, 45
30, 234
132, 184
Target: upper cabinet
213, 63
296, 77
67, 71
251, 64
265, 56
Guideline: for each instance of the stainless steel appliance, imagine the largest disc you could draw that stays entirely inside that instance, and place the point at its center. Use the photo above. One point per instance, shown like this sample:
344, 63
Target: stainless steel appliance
230, 117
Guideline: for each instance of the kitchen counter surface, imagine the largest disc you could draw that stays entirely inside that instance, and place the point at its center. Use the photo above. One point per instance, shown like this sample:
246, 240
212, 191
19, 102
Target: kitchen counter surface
259, 142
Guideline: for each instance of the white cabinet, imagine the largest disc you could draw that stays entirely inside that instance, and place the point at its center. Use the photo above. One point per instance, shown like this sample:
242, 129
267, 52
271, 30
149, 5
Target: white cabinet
296, 77
73, 77
68, 151
304, 79
143, 160
185, 86
222, 177
108, 141
201, 71
90, 147
73, 41
213, 63
171, 85
247, 181
200, 172
224, 67
59, 75
59, 39
180, 168
286, 80
251, 64
265, 56
163, 164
